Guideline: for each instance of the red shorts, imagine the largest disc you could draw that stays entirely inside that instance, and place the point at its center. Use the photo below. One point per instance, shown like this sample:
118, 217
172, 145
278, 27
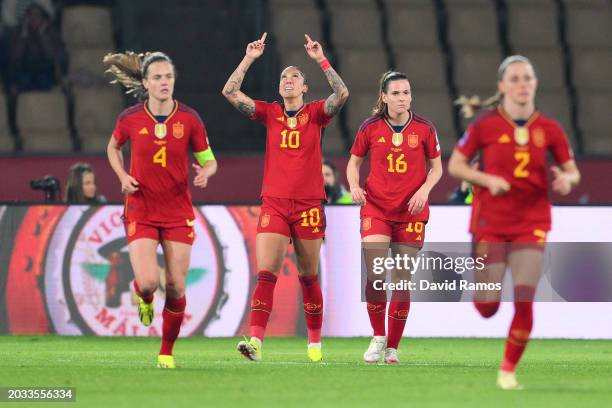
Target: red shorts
498, 246
179, 232
304, 219
412, 232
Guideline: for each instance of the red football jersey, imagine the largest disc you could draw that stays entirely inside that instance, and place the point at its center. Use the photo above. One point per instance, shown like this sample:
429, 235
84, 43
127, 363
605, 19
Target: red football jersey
398, 166
517, 154
159, 162
293, 150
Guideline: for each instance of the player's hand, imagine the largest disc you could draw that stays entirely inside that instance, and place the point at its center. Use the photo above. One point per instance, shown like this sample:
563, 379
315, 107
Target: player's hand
201, 178
497, 185
129, 185
417, 201
314, 49
358, 195
561, 182
256, 48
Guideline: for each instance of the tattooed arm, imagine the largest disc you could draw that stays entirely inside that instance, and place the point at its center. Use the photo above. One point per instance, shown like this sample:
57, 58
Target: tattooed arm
335, 101
231, 90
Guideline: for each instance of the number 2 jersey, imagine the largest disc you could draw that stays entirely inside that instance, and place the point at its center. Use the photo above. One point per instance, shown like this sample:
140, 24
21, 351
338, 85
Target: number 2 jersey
293, 150
398, 166
518, 155
160, 162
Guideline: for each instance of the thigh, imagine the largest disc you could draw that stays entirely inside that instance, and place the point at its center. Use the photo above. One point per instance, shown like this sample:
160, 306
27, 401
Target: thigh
375, 240
493, 250
526, 266
307, 252
307, 220
177, 256
404, 251
143, 257
270, 249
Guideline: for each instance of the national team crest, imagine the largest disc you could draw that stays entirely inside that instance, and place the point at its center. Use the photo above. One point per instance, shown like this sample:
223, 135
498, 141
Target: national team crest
178, 130
265, 220
413, 140
131, 228
539, 137
397, 139
303, 118
366, 224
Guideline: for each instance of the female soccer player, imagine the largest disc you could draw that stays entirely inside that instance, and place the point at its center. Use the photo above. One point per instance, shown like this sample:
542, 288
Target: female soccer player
292, 191
394, 202
510, 209
158, 205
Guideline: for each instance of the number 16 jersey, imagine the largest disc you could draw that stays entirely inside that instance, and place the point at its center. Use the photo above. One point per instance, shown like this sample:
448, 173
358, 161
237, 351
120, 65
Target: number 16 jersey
159, 162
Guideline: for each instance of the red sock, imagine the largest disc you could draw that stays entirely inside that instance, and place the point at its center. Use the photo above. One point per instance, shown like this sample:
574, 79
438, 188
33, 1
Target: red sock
376, 309
520, 329
173, 313
261, 303
312, 298
486, 309
147, 299
396, 318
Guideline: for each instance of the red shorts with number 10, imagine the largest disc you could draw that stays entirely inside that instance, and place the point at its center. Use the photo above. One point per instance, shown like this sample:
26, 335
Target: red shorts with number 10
303, 219
412, 233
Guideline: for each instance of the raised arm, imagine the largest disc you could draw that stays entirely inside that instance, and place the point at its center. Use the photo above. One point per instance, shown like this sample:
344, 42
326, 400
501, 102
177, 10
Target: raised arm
231, 90
336, 100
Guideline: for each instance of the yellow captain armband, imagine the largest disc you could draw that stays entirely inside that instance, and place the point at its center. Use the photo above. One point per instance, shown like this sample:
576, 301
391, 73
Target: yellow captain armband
204, 156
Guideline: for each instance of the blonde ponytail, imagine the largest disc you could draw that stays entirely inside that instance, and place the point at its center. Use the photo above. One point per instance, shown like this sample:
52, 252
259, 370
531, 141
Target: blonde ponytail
471, 105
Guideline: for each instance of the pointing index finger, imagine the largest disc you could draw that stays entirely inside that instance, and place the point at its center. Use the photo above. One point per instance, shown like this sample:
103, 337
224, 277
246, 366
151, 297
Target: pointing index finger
263, 37
308, 38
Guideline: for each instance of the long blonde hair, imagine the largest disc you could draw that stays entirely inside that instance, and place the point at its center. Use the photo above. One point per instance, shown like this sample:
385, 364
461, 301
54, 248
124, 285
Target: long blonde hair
380, 108
129, 69
471, 105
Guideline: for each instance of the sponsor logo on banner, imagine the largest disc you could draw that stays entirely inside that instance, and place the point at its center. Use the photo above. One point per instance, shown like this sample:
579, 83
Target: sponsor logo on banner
92, 269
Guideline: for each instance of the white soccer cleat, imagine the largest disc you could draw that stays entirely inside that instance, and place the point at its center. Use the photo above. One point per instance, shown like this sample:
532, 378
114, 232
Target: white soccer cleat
375, 350
250, 349
391, 356
507, 381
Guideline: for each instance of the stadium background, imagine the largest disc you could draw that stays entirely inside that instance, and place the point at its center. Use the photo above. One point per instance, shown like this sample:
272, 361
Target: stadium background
447, 47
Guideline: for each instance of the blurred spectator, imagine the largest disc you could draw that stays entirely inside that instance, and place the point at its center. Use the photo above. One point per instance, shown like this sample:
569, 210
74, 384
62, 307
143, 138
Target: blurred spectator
81, 185
38, 58
335, 191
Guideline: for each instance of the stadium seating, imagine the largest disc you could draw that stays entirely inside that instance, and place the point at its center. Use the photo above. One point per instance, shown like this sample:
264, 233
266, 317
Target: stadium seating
95, 113
437, 108
6, 140
533, 24
42, 119
86, 68
87, 26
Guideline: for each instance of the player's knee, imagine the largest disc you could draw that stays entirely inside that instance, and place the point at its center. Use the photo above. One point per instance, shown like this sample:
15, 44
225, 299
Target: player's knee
175, 290
487, 309
148, 286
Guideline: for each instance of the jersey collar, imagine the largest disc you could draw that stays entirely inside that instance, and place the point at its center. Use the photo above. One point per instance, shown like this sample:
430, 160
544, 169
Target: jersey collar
296, 112
405, 126
508, 119
174, 110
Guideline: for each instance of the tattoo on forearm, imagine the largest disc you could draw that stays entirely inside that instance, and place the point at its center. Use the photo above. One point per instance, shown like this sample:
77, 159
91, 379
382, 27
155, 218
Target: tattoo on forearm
335, 101
234, 82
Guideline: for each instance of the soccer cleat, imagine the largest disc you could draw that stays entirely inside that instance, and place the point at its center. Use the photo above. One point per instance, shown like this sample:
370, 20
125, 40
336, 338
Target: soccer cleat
250, 349
314, 352
374, 352
391, 356
145, 312
165, 361
507, 381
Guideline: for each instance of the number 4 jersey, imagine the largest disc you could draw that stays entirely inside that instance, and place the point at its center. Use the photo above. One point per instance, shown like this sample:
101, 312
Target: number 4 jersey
293, 150
517, 154
159, 162
398, 166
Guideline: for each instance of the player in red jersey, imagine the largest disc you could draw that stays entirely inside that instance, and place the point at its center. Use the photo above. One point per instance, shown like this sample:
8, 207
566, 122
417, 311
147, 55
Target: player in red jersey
158, 208
511, 213
394, 202
292, 191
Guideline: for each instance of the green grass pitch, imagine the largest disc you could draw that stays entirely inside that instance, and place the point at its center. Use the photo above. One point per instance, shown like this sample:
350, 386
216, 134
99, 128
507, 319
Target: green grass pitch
119, 372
